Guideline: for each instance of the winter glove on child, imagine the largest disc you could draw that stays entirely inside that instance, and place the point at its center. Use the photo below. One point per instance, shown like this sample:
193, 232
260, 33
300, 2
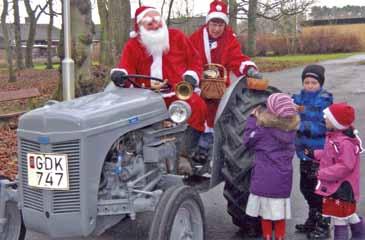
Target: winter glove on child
118, 78
253, 73
190, 79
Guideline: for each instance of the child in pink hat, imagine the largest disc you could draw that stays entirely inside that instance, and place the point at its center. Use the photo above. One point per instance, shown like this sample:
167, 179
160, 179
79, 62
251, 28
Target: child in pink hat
339, 172
270, 134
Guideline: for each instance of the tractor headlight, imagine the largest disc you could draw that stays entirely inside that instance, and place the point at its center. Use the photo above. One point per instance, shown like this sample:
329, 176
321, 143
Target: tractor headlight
179, 111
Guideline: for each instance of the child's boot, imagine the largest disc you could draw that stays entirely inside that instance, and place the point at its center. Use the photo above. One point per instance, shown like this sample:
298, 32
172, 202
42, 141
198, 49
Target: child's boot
341, 232
321, 230
309, 224
358, 230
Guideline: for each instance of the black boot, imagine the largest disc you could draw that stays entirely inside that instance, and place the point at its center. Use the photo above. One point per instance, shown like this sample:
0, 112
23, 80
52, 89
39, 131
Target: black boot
309, 224
321, 230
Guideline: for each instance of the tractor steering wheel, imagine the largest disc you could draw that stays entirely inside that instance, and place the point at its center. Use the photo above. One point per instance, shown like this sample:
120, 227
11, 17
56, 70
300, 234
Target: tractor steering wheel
131, 78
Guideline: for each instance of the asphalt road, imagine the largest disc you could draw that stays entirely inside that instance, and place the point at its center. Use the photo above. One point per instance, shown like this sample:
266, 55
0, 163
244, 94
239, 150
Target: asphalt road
345, 79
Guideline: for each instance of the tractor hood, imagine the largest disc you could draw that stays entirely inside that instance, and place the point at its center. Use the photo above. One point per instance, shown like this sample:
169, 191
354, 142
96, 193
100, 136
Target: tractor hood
119, 107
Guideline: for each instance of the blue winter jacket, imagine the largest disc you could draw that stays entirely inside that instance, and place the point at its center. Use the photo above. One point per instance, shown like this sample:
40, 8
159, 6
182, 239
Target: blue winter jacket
312, 129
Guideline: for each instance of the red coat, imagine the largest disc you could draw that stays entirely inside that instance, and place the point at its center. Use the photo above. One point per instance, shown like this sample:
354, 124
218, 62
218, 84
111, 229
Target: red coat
181, 59
227, 52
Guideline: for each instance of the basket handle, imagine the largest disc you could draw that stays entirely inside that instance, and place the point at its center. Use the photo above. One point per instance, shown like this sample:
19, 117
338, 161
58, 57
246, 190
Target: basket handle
218, 66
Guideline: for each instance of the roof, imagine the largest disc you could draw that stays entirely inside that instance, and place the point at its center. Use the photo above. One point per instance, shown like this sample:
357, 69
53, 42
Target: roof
41, 32
333, 21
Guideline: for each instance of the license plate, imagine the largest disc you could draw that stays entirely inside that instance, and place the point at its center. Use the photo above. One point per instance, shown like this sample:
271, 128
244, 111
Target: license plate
47, 170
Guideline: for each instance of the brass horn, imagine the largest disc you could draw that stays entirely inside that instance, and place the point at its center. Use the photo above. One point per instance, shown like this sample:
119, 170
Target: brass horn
183, 90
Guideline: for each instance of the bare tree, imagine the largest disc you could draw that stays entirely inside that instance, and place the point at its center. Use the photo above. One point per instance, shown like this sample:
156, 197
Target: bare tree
105, 34
33, 16
49, 35
169, 12
233, 9
251, 21
18, 40
8, 48
162, 6
232, 5
82, 31
274, 10
115, 20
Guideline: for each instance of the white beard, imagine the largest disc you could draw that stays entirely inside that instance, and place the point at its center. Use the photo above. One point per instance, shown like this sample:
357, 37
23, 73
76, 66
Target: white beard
155, 41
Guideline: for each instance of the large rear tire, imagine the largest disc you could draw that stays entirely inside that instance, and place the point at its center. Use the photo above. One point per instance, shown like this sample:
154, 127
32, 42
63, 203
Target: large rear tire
179, 216
14, 229
237, 161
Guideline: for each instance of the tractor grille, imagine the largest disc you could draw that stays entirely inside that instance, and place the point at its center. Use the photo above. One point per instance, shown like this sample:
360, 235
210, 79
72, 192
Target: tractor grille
33, 198
62, 201
68, 201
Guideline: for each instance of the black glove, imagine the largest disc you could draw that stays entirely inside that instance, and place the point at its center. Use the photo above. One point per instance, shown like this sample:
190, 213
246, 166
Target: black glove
118, 78
253, 73
309, 153
190, 79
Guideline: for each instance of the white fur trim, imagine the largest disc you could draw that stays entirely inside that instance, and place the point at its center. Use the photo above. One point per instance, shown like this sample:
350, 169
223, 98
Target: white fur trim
245, 64
219, 15
167, 95
156, 66
333, 120
118, 69
193, 74
197, 90
144, 12
206, 45
133, 34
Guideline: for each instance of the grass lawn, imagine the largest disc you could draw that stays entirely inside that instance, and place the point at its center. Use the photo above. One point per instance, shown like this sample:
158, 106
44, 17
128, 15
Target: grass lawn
43, 66
275, 63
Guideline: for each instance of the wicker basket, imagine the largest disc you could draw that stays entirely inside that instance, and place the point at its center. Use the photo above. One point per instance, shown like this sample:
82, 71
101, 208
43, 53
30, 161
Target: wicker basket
213, 84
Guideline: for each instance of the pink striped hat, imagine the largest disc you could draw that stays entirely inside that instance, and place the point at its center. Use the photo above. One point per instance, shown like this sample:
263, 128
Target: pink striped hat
281, 105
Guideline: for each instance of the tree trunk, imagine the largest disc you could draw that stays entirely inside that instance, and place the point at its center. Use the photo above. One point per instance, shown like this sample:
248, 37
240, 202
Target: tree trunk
105, 41
233, 14
33, 18
18, 40
82, 35
251, 21
169, 13
31, 34
49, 36
8, 50
119, 19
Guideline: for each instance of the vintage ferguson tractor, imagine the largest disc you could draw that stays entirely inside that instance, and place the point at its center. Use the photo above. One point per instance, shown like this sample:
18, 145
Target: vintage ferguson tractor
86, 164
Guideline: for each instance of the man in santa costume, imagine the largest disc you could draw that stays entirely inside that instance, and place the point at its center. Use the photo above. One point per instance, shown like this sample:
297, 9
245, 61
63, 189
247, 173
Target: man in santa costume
157, 51
217, 43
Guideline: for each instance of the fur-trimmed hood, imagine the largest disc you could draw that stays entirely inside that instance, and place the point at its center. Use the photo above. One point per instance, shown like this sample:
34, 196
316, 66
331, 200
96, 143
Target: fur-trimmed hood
288, 125
267, 119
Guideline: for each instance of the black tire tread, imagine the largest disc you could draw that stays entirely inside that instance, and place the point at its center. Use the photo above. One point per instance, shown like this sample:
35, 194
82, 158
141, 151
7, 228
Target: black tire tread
237, 161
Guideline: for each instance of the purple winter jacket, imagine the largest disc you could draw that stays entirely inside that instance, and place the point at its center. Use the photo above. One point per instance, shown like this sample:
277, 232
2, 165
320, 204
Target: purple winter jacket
274, 149
339, 162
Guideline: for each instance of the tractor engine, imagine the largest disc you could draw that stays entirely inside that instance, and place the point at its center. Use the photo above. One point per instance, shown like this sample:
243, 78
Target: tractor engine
132, 156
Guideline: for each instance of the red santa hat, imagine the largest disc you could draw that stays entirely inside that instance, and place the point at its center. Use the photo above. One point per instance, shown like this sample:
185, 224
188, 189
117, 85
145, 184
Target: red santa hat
138, 16
341, 115
218, 9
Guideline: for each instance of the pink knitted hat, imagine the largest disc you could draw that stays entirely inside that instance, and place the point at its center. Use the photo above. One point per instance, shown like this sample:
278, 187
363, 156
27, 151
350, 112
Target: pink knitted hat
281, 105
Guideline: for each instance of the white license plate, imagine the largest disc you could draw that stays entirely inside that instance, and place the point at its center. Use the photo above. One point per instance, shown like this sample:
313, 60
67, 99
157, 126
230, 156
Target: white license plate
47, 170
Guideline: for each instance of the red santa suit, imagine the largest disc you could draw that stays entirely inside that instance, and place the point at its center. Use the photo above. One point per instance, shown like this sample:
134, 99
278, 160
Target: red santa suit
179, 60
226, 51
